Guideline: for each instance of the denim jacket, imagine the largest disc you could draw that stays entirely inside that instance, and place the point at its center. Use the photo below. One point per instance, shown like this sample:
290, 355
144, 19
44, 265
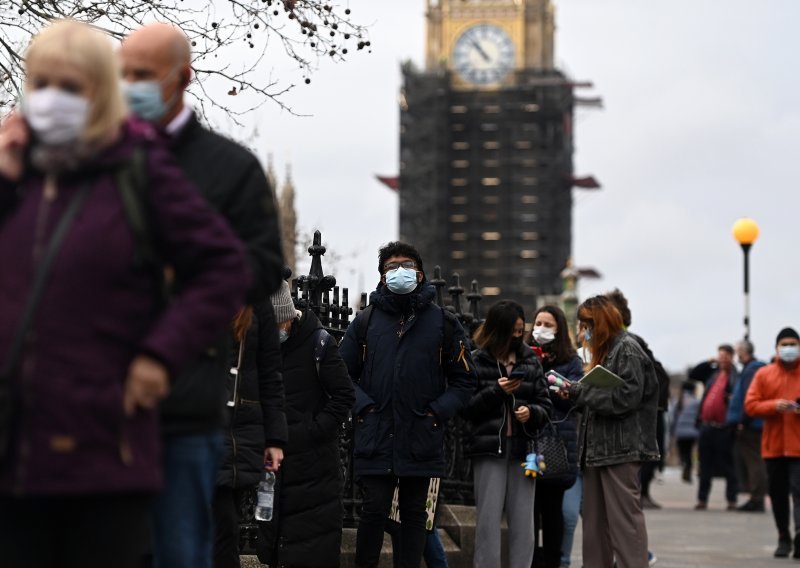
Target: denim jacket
619, 424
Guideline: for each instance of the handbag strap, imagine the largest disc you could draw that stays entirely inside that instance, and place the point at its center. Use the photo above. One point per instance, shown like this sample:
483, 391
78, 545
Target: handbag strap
235, 394
40, 282
241, 351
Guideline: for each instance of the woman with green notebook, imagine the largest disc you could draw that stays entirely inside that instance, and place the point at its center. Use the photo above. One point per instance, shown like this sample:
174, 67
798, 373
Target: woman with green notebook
618, 434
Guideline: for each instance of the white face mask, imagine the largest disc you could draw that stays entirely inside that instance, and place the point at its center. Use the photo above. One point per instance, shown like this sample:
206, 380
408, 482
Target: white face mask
543, 335
55, 116
788, 353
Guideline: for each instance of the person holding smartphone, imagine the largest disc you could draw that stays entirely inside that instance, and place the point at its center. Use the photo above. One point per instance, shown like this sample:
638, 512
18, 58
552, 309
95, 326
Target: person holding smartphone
774, 395
509, 405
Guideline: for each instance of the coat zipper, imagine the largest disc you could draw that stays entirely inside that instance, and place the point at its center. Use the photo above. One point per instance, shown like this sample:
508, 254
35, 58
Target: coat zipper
49, 194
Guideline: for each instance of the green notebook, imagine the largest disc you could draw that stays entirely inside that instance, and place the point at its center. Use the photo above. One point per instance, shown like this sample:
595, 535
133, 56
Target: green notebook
602, 377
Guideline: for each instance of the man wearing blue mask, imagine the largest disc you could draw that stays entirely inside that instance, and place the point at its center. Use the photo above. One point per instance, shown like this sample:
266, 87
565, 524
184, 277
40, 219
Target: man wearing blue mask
156, 67
413, 372
774, 395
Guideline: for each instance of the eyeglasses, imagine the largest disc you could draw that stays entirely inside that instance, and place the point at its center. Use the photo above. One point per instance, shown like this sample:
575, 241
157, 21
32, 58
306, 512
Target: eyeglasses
408, 264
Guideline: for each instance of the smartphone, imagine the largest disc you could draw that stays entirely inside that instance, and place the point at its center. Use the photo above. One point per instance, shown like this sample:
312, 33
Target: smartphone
517, 375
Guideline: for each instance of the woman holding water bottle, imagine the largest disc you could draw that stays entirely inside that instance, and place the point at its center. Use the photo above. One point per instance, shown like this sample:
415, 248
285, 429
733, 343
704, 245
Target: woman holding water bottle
306, 526
617, 434
256, 432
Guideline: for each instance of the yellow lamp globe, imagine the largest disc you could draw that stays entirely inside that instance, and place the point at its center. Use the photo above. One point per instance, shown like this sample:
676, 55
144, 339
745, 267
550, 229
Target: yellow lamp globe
745, 231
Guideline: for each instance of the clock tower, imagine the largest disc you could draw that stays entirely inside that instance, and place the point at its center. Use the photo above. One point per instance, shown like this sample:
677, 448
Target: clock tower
486, 148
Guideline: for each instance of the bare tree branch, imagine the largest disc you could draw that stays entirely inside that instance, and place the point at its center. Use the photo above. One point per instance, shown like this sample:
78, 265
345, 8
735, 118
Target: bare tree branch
230, 40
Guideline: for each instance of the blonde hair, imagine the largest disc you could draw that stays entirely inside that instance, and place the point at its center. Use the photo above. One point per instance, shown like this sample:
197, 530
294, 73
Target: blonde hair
75, 43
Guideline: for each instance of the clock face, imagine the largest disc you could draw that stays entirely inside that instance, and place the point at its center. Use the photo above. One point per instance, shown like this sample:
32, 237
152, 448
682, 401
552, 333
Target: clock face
484, 54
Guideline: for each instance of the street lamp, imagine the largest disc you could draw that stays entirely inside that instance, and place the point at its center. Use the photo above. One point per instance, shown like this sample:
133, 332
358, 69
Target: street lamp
745, 231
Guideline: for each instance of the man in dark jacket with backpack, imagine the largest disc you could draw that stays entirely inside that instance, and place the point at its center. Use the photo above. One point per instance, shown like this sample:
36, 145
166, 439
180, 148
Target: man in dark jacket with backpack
413, 373
156, 62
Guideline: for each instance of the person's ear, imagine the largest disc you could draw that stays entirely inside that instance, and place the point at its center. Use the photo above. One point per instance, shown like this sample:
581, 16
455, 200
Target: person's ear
383, 279
420, 276
185, 76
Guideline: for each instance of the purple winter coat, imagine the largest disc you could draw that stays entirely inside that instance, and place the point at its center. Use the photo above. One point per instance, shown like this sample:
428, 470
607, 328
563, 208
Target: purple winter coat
70, 435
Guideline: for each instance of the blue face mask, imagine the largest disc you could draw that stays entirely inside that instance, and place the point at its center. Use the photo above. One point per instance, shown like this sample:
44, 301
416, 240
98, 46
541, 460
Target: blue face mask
401, 280
283, 335
145, 101
587, 335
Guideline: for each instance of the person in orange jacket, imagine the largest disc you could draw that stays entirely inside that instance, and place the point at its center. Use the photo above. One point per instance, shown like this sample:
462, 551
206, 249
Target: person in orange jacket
774, 396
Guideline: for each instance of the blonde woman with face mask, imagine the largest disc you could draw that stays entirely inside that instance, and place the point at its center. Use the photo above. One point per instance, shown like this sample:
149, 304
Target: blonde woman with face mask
88, 344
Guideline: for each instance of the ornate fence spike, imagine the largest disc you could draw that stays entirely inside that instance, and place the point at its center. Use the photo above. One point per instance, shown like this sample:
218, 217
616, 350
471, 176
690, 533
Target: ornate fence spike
345, 310
316, 283
439, 283
456, 291
325, 309
474, 297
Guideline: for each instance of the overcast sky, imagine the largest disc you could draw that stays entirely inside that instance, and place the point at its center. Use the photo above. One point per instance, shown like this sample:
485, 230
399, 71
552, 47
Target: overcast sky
701, 126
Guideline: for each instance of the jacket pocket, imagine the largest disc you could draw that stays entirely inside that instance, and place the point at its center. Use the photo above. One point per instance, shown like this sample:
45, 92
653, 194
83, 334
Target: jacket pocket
622, 436
365, 439
427, 437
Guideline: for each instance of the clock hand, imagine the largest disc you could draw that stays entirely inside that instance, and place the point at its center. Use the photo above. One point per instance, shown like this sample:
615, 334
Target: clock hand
480, 50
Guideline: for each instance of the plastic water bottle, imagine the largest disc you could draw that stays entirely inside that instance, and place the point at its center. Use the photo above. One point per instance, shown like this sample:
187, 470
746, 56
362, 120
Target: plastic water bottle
265, 497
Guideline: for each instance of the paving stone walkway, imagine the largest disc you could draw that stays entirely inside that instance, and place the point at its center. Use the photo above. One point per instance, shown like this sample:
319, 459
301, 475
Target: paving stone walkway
684, 538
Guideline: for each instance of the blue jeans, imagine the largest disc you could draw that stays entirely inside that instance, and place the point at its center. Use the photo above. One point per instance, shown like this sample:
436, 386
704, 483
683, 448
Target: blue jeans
183, 524
571, 508
434, 555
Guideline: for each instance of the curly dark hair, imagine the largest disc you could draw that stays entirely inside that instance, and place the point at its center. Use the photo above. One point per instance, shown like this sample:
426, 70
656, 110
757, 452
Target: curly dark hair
398, 248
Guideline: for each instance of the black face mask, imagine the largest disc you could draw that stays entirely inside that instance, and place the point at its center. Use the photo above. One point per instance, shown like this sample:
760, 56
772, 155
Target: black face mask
516, 343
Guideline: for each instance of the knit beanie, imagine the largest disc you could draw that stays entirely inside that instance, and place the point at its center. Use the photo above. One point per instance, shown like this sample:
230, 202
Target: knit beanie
282, 304
787, 332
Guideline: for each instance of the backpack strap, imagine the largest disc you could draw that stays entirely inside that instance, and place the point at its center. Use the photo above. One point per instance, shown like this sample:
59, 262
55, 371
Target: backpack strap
363, 328
31, 307
321, 341
40, 280
132, 183
446, 354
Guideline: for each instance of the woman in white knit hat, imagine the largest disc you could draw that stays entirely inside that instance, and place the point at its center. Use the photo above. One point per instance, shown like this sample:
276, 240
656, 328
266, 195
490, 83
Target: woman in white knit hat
306, 527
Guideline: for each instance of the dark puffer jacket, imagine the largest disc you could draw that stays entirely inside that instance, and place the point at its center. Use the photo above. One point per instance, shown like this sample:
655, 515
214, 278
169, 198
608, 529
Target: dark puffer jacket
403, 377
490, 409
306, 529
619, 423
565, 420
258, 421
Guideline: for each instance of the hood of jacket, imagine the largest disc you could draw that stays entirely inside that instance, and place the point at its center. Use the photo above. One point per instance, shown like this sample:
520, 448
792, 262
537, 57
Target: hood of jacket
420, 299
303, 327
